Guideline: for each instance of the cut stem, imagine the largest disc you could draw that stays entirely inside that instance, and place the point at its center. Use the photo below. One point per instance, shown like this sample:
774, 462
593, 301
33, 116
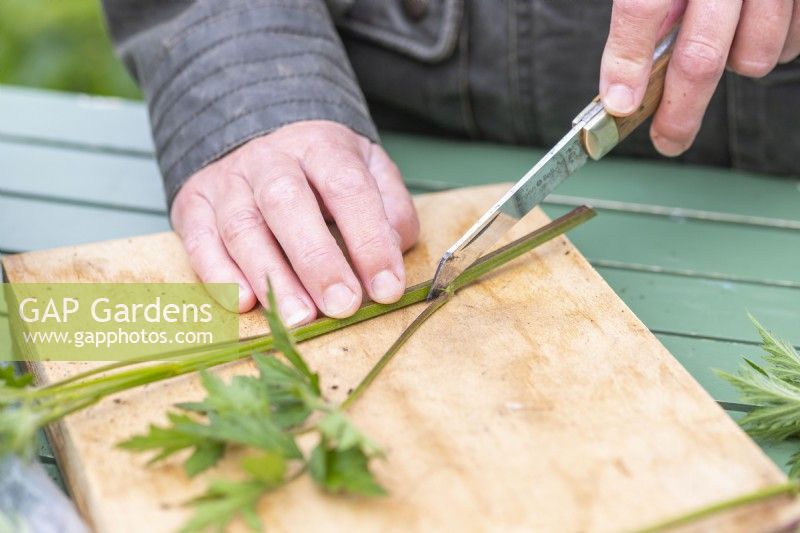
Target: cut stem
479, 268
95, 384
437, 303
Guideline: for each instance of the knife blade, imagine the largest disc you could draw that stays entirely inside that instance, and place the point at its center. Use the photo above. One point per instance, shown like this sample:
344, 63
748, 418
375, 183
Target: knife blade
594, 133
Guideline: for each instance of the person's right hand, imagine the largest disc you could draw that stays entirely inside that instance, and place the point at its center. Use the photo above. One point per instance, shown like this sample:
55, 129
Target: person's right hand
260, 212
750, 37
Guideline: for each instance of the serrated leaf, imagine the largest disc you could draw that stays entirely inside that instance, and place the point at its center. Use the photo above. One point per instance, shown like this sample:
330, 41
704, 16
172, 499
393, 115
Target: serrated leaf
158, 437
342, 471
260, 433
243, 394
773, 388
224, 501
205, 456
260, 412
172, 439
289, 391
783, 359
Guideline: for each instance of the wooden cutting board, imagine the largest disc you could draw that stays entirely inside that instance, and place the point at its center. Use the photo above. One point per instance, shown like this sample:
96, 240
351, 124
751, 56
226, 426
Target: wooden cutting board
534, 401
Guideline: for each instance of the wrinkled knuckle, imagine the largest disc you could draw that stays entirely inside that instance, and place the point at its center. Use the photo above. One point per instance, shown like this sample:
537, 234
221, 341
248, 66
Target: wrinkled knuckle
374, 245
316, 256
346, 181
241, 222
326, 150
699, 62
270, 272
279, 191
198, 237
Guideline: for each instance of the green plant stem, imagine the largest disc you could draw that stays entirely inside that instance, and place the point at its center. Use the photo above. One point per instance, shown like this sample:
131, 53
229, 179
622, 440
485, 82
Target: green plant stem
429, 310
790, 487
481, 267
511, 251
99, 382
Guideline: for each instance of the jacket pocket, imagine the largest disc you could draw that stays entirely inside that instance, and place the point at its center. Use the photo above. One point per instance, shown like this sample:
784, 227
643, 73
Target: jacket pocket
426, 30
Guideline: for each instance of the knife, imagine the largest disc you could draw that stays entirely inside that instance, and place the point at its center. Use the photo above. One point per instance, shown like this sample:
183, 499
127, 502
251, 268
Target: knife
594, 133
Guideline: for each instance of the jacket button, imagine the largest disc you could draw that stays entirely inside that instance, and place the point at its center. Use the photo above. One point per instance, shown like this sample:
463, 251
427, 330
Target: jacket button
415, 9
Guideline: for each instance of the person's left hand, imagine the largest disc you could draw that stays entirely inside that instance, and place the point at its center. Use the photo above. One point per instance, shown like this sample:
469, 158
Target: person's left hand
750, 37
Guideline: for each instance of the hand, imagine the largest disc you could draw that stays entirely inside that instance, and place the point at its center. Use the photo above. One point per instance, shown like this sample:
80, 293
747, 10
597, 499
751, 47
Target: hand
260, 212
750, 36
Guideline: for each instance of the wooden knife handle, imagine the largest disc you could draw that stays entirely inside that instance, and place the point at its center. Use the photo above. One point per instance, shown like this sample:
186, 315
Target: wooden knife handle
601, 131
652, 97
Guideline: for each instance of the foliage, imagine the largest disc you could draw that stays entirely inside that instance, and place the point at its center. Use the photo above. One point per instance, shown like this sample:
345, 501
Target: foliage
263, 413
60, 45
9, 378
775, 391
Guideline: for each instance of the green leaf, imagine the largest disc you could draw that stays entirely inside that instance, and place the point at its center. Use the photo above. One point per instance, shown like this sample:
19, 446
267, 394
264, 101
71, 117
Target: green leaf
283, 341
774, 388
340, 433
260, 433
755, 367
243, 395
342, 471
224, 501
340, 463
205, 455
783, 359
9, 378
291, 394
179, 436
267, 467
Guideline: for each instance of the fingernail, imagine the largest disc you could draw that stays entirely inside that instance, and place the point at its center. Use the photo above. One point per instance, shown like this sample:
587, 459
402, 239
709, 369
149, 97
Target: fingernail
244, 292
338, 299
386, 287
619, 99
293, 310
245, 301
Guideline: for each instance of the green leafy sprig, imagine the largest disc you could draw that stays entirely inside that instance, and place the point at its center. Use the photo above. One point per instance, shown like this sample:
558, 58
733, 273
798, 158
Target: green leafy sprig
774, 390
283, 399
263, 413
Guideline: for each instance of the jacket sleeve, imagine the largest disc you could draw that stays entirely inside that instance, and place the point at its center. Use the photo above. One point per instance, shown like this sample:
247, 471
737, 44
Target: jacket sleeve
218, 73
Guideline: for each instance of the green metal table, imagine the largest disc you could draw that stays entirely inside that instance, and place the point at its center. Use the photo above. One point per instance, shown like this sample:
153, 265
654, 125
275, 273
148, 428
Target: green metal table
691, 250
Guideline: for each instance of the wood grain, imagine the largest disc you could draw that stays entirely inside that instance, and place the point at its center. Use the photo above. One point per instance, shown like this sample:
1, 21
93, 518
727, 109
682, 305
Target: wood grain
534, 401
